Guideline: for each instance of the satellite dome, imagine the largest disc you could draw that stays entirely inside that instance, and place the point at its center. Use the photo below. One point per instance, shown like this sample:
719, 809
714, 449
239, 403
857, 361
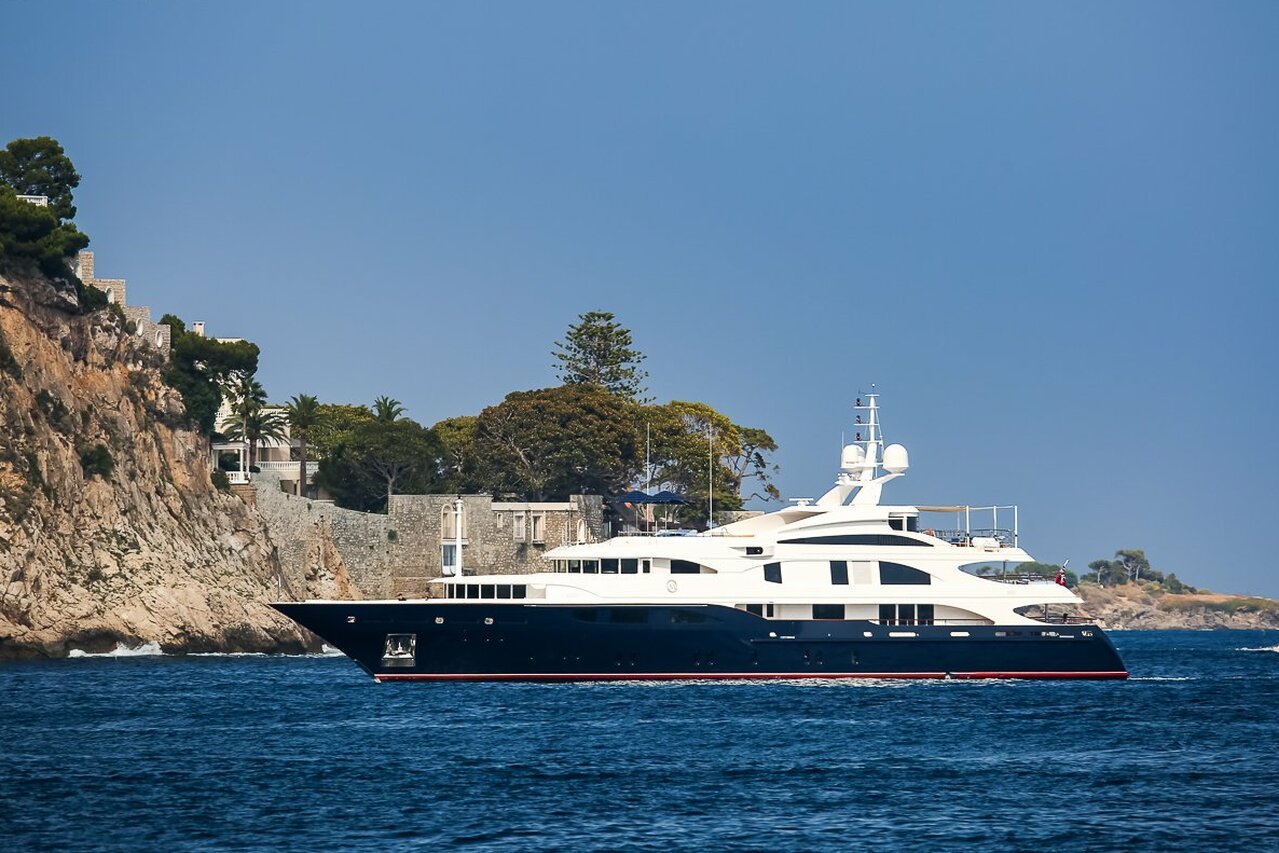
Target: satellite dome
896, 460
852, 457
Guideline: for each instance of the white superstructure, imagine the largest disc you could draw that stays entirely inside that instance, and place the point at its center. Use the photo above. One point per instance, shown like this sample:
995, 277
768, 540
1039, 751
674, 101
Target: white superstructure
844, 556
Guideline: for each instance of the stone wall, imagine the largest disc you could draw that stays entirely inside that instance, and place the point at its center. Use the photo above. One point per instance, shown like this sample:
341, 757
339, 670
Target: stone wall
326, 551
498, 537
156, 334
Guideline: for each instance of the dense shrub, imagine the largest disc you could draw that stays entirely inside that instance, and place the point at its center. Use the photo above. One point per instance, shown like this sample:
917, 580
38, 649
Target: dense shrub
97, 460
220, 480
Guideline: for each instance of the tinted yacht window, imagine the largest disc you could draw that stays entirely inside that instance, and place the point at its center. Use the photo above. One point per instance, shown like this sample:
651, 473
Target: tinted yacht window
684, 567
896, 573
839, 572
880, 539
773, 572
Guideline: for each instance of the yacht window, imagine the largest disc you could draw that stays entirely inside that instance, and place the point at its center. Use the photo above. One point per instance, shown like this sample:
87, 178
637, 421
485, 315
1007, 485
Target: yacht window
839, 572
472, 591
757, 609
828, 611
773, 572
887, 614
897, 523
905, 614
590, 567
487, 590
768, 611
575, 567
518, 590
924, 614
630, 567
896, 573
608, 567
684, 567
504, 590
648, 566
687, 616
880, 539
754, 551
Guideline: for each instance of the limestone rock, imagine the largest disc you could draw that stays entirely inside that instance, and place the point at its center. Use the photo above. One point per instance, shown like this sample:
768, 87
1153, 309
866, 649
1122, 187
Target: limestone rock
152, 553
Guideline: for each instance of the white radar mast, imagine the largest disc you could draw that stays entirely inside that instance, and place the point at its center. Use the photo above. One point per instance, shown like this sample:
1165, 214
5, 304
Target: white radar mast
860, 463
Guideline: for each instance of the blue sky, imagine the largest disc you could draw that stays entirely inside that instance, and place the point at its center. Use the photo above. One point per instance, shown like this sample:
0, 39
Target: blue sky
1047, 232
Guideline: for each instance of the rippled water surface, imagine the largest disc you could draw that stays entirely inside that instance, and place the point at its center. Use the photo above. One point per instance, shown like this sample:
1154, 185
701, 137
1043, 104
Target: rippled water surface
257, 752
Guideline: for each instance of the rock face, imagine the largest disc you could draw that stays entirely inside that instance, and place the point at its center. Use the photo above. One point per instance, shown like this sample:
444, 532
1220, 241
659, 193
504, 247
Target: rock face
1134, 606
110, 529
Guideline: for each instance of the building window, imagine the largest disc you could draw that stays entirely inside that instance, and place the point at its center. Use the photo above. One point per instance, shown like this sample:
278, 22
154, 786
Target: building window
581, 530
518, 531
896, 573
448, 557
828, 611
539, 527
449, 523
839, 572
773, 572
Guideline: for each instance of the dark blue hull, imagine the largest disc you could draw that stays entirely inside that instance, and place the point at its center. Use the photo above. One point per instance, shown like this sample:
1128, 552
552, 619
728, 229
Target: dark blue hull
510, 641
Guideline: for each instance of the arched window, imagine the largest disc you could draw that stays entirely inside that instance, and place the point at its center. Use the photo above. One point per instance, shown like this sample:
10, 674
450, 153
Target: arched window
449, 523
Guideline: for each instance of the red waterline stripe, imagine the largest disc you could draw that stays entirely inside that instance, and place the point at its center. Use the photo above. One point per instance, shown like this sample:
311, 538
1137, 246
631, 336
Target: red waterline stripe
684, 676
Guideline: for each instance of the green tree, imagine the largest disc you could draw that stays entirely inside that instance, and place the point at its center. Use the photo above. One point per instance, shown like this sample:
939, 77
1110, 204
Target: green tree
303, 415
387, 410
457, 439
695, 447
599, 351
32, 237
200, 367
553, 442
39, 166
377, 459
257, 425
336, 424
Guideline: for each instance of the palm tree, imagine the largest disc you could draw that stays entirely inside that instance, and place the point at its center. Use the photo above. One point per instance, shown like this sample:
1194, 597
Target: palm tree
303, 414
257, 425
387, 410
246, 396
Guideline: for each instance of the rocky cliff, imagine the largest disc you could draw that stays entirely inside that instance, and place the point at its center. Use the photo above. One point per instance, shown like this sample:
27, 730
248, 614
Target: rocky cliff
110, 530
1144, 606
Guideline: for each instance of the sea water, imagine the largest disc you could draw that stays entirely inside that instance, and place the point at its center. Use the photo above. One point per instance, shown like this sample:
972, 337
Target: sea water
145, 751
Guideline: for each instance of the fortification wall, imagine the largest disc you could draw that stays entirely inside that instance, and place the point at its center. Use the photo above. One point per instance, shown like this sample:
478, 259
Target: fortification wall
324, 550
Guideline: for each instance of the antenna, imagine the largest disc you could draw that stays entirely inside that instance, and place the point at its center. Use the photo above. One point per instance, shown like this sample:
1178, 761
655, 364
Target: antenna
710, 476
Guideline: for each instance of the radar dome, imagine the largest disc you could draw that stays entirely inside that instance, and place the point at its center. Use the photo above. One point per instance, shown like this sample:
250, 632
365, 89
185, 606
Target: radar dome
896, 459
852, 457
